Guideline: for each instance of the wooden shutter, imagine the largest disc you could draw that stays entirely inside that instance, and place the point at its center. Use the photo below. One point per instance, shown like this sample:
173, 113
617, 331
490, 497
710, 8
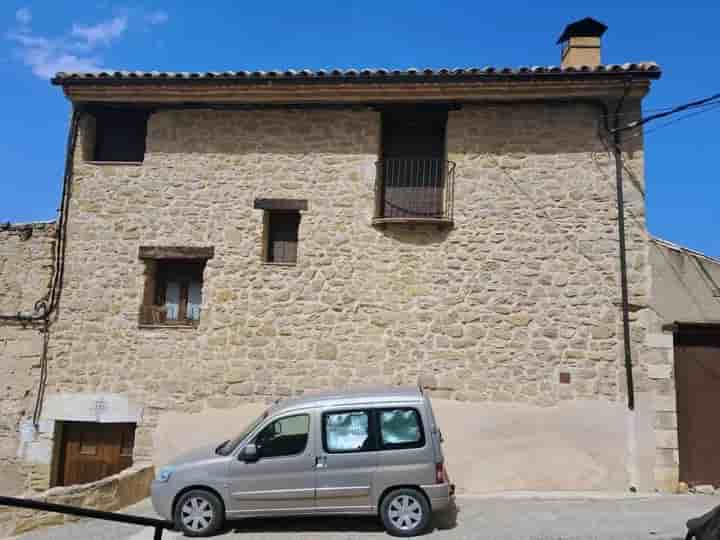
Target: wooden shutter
283, 237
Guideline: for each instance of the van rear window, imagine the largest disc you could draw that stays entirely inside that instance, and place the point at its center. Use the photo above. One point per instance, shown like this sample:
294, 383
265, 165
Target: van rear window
401, 428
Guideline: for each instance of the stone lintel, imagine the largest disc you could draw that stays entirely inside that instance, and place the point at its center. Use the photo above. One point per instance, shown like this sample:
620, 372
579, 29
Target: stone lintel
281, 204
176, 252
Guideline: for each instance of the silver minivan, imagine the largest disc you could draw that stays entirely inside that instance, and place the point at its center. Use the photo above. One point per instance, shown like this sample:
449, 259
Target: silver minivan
371, 452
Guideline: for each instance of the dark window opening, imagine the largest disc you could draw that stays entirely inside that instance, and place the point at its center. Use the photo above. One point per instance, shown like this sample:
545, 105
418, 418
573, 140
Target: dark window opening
412, 170
281, 233
119, 135
173, 292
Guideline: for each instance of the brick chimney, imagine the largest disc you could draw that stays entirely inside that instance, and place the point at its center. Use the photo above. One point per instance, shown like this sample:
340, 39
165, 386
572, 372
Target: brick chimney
581, 43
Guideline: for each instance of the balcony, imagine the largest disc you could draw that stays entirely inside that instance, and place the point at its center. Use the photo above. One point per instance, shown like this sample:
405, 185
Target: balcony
414, 190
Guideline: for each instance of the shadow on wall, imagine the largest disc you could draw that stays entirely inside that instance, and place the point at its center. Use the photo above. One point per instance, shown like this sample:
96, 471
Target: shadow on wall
489, 447
416, 234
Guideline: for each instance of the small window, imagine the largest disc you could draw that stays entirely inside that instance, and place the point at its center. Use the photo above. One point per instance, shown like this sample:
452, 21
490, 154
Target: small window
347, 431
284, 437
173, 292
281, 236
401, 428
119, 135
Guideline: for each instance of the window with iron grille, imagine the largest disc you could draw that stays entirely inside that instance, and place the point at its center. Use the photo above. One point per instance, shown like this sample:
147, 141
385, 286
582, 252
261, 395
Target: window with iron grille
413, 173
281, 236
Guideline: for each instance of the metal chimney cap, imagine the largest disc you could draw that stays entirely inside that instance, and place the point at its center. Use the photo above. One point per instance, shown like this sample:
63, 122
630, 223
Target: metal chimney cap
587, 27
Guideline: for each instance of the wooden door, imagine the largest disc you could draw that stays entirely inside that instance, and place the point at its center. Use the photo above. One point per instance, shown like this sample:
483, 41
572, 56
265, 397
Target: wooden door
697, 373
91, 451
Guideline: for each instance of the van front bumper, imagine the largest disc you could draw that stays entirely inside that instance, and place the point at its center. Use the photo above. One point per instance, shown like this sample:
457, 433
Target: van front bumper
440, 495
162, 495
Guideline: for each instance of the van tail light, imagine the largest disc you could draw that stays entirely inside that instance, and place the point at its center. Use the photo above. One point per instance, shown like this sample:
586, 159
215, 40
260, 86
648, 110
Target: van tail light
440, 476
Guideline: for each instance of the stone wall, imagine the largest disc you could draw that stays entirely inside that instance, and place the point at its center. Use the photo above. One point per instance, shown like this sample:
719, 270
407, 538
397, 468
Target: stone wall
523, 288
26, 259
109, 494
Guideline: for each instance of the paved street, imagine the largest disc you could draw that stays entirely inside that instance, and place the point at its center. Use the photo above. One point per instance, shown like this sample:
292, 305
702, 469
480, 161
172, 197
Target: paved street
659, 517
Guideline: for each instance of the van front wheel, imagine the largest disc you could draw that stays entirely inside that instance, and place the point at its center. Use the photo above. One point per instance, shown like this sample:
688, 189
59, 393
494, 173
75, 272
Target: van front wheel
199, 513
405, 512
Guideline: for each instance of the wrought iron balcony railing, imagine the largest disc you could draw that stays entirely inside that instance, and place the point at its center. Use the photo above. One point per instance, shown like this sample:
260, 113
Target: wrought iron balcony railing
414, 190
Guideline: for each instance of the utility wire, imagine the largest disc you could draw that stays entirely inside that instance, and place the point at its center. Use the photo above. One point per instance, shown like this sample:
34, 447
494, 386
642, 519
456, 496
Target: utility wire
675, 110
709, 107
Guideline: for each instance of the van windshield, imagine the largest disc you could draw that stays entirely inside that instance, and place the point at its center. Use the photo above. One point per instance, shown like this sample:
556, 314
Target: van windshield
228, 446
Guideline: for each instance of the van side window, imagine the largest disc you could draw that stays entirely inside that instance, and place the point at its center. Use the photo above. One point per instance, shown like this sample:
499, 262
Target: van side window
347, 431
401, 428
284, 437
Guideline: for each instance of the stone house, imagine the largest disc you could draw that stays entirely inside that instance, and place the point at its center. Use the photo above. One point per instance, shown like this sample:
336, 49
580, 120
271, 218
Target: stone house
236, 237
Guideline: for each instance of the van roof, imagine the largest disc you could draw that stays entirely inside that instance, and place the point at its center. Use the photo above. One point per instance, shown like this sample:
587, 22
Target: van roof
352, 396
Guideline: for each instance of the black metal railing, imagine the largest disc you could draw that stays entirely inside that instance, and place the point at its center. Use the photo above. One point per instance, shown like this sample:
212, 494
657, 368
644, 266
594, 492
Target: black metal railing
414, 189
158, 524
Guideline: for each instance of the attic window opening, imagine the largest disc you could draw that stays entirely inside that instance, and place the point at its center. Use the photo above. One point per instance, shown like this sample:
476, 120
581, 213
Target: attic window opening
115, 136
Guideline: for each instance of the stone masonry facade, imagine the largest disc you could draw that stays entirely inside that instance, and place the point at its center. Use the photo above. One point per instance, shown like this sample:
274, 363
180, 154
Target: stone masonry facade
523, 287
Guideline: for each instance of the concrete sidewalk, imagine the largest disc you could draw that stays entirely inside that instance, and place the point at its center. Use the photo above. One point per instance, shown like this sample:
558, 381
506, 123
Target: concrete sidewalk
517, 516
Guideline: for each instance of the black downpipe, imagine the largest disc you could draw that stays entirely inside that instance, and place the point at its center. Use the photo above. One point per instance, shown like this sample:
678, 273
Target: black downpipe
620, 196
617, 153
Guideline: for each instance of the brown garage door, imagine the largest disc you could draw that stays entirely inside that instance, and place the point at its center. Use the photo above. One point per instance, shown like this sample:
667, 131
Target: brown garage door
697, 372
91, 451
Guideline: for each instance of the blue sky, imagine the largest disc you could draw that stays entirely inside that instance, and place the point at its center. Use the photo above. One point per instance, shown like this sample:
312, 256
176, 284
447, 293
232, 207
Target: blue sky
39, 37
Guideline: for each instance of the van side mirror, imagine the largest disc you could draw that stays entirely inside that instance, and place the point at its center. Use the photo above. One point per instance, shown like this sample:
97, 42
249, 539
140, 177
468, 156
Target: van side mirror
250, 453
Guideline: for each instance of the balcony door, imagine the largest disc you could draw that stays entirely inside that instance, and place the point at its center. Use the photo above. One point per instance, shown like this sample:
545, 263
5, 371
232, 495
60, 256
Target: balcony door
413, 163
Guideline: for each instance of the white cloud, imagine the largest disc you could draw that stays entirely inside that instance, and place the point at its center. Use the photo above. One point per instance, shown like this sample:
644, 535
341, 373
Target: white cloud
102, 33
45, 57
23, 16
76, 50
157, 17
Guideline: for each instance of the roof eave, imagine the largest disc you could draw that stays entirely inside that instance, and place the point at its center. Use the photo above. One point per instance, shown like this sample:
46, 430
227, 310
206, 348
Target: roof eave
369, 91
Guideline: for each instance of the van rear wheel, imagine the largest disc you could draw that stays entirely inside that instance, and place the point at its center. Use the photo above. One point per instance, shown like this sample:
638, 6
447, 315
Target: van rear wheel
199, 513
405, 512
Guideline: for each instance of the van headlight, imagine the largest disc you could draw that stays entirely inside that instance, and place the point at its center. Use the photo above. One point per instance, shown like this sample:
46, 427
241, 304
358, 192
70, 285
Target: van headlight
164, 474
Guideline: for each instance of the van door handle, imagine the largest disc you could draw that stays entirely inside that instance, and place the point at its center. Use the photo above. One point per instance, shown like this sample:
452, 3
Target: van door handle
321, 462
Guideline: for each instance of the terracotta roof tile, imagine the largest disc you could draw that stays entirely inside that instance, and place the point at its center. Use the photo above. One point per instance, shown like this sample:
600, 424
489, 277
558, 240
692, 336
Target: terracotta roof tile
644, 69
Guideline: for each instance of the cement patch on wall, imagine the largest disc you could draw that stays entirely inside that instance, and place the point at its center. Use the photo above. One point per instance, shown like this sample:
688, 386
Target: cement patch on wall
104, 408
579, 445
